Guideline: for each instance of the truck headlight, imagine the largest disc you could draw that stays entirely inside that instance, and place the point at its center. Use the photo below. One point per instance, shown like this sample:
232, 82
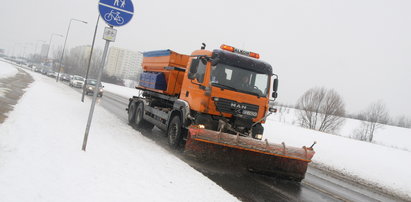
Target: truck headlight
90, 88
259, 136
101, 90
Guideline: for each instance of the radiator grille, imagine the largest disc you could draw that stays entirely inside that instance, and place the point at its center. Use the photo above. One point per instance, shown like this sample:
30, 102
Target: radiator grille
233, 107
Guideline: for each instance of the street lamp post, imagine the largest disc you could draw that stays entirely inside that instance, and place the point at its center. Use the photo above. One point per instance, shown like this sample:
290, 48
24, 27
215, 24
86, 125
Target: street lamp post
64, 46
89, 59
48, 48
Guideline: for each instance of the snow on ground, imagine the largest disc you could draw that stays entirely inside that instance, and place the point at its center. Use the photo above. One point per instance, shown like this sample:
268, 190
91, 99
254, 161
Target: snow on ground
7, 70
120, 90
386, 162
390, 136
41, 157
378, 163
41, 160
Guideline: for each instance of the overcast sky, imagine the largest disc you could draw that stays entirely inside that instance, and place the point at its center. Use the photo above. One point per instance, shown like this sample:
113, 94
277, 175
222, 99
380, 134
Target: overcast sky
360, 48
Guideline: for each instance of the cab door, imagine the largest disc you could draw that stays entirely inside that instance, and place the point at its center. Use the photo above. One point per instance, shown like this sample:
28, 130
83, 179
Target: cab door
195, 88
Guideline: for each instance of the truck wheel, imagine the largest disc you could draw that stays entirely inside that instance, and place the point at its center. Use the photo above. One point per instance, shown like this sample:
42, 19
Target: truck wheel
174, 133
131, 113
140, 122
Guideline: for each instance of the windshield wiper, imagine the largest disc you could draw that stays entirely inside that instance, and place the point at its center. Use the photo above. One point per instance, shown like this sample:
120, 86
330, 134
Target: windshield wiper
235, 89
224, 86
254, 93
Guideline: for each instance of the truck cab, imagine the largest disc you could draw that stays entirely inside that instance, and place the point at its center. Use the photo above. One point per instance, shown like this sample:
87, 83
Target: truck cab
225, 90
228, 90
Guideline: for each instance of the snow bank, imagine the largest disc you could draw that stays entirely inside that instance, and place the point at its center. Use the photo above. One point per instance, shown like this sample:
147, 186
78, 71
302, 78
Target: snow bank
41, 157
384, 166
389, 136
7, 70
120, 90
385, 162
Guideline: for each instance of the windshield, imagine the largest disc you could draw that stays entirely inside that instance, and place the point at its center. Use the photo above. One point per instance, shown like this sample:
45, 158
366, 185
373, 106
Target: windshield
238, 79
78, 78
92, 82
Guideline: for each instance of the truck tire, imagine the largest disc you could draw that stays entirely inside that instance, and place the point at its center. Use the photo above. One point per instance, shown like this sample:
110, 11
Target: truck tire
139, 121
175, 133
131, 113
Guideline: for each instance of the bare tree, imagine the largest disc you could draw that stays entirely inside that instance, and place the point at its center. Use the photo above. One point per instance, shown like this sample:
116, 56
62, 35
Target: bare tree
112, 79
55, 58
374, 117
403, 121
95, 62
321, 109
76, 61
56, 54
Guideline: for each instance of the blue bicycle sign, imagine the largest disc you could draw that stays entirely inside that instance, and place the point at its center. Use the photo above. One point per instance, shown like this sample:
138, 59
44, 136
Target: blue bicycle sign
114, 15
116, 12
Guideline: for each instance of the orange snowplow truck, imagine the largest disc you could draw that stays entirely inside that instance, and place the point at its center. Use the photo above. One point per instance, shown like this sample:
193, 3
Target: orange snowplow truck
213, 104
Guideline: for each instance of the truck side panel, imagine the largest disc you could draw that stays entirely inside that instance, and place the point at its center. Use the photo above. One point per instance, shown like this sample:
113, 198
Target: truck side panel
171, 65
156, 117
163, 58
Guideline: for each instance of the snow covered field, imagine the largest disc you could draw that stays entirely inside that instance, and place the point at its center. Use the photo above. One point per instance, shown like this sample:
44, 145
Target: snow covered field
7, 70
378, 165
386, 162
389, 136
41, 157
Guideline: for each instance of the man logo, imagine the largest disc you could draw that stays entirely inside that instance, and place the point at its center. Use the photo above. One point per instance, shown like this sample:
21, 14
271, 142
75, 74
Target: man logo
238, 106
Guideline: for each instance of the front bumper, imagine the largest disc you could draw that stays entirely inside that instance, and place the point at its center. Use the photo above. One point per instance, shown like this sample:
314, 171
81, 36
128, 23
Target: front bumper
78, 85
91, 91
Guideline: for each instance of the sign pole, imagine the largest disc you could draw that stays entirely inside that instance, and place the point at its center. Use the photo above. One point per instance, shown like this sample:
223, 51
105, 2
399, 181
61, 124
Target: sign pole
114, 13
89, 59
109, 36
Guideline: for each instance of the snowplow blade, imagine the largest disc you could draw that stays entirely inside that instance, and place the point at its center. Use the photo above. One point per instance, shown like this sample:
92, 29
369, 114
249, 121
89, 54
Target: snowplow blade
255, 155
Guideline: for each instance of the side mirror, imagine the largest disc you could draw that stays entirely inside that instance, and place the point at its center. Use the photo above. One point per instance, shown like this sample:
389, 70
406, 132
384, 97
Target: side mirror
272, 110
275, 85
193, 68
274, 94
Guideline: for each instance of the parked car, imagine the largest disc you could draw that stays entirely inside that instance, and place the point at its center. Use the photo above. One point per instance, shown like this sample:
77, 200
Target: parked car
36, 69
51, 73
77, 81
65, 77
44, 70
91, 85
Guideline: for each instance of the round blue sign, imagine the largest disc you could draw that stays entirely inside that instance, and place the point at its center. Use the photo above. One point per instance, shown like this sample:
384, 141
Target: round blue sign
116, 12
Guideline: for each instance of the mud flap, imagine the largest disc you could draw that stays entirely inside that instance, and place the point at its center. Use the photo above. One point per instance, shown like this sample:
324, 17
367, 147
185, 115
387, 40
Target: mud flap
255, 155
